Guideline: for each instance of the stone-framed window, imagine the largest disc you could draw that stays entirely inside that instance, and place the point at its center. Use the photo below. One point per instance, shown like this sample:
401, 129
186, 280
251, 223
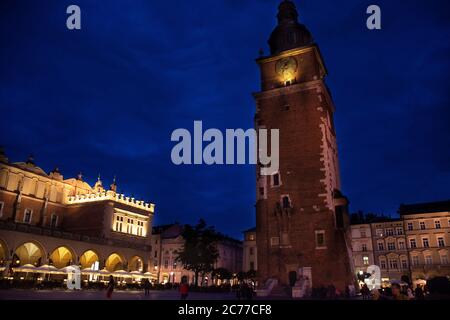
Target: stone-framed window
27, 216
440, 241
380, 246
422, 225
53, 221
274, 241
366, 260
276, 180
320, 239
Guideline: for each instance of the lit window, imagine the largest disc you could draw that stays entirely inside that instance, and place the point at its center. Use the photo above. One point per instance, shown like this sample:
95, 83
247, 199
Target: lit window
140, 228
119, 223
441, 242
27, 215
365, 261
422, 225
437, 224
130, 223
426, 243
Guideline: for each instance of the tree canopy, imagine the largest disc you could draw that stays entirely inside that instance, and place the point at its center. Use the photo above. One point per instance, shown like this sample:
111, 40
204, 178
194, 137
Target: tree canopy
199, 252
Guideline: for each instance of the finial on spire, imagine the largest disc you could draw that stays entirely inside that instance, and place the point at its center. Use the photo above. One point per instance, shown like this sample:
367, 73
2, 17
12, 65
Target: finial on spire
113, 186
98, 185
80, 176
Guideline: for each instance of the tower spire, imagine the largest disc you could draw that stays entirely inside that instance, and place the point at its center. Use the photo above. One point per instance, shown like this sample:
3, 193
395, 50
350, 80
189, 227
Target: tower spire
289, 33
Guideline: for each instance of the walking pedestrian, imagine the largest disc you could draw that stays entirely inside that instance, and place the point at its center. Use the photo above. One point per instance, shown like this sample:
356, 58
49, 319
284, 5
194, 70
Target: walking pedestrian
110, 287
184, 289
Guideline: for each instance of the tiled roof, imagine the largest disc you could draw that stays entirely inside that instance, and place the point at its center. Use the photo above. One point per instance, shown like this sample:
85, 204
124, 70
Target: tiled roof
426, 207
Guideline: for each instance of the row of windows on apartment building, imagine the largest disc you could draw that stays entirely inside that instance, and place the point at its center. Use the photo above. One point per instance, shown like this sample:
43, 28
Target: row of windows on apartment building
415, 260
401, 244
410, 227
399, 231
28, 216
422, 225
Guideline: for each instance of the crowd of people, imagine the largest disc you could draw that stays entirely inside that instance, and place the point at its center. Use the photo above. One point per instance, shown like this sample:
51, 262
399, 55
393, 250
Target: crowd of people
395, 292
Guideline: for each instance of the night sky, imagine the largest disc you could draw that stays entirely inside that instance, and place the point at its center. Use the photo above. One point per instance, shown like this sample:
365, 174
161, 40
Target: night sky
106, 99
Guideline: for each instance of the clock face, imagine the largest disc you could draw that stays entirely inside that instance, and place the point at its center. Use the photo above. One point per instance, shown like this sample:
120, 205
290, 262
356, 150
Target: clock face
287, 68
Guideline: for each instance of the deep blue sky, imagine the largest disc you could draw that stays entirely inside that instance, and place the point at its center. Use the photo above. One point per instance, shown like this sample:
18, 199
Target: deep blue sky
106, 99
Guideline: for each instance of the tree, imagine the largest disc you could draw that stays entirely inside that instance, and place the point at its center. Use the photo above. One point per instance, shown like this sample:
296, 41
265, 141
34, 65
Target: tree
222, 274
199, 252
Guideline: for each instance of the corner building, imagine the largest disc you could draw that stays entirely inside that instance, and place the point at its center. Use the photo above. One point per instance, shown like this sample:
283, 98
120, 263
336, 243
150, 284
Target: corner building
301, 214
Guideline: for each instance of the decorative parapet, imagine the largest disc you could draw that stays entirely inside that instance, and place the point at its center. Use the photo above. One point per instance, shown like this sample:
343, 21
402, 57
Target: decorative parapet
111, 196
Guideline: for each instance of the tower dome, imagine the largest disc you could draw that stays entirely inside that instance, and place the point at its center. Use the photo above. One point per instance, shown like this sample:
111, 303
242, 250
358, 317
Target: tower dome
289, 33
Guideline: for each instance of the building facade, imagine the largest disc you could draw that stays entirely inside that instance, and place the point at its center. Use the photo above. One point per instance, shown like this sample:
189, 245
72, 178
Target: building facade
250, 251
168, 239
362, 247
427, 230
48, 220
390, 253
302, 223
414, 247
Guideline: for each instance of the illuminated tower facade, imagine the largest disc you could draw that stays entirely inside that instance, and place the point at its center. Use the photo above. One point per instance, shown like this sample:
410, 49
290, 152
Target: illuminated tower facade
301, 214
